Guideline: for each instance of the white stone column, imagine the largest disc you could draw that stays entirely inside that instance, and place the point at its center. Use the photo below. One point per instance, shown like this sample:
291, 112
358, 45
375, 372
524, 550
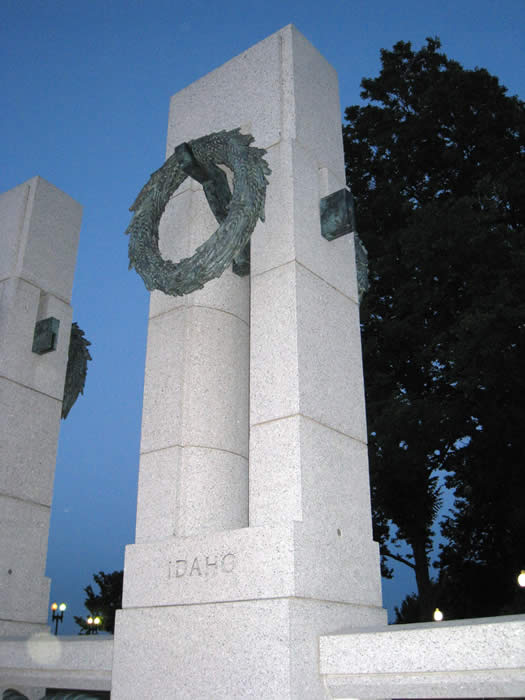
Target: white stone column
208, 610
193, 474
39, 227
308, 439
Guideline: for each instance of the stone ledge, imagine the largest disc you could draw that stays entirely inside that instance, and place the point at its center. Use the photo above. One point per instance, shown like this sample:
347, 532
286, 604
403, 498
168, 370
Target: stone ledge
55, 661
482, 657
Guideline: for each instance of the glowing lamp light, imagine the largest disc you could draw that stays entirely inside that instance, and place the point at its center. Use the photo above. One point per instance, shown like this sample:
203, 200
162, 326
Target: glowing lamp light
521, 578
438, 615
57, 616
94, 623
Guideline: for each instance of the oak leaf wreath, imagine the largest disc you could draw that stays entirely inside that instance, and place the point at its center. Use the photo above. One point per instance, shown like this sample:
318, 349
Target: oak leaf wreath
237, 213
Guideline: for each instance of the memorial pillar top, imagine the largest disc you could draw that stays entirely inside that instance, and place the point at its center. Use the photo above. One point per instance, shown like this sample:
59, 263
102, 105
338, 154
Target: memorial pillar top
270, 91
40, 228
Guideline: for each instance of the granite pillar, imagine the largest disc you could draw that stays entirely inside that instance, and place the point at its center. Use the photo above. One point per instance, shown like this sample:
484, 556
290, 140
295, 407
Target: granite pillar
39, 228
237, 569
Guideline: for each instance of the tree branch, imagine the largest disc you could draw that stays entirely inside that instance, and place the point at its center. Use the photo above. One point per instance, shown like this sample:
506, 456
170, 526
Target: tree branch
387, 553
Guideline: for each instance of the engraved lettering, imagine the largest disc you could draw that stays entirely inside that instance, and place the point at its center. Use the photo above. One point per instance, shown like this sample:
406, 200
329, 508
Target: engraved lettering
209, 564
180, 567
195, 567
202, 565
228, 563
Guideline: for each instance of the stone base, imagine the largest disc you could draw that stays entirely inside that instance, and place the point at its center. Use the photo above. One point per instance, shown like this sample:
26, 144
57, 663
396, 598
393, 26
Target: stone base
256, 649
284, 561
14, 628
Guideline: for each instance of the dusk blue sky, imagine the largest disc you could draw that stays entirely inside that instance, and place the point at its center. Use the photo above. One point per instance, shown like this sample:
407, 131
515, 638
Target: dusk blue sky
84, 98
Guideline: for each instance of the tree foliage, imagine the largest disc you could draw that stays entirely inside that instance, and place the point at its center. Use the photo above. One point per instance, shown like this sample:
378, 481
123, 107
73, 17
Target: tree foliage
436, 162
105, 603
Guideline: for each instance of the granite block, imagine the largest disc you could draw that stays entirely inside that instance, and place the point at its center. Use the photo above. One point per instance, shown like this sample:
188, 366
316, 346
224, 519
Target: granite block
24, 590
19, 302
243, 564
308, 621
335, 484
329, 352
332, 261
217, 384
276, 490
196, 385
292, 229
273, 242
281, 87
164, 381
39, 219
492, 683
245, 90
274, 371
339, 567
24, 602
234, 650
303, 471
256, 649
57, 661
157, 494
481, 657
213, 491
10, 628
12, 213
49, 378
317, 113
31, 421
188, 490
54, 226
229, 293
21, 306
253, 563
305, 351
329, 182
456, 645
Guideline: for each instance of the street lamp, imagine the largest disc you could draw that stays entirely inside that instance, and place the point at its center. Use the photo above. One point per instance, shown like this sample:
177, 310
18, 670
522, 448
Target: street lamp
438, 615
521, 578
58, 617
94, 623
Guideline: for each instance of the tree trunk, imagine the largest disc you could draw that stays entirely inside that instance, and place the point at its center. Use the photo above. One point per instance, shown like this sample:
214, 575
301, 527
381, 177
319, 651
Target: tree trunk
424, 585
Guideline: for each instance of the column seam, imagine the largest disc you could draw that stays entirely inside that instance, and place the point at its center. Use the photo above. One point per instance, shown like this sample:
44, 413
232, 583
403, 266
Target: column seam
297, 262
29, 388
313, 420
35, 285
197, 306
3, 494
198, 447
254, 600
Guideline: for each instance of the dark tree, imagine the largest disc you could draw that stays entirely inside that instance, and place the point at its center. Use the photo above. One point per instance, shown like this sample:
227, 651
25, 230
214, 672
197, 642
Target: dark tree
436, 164
105, 603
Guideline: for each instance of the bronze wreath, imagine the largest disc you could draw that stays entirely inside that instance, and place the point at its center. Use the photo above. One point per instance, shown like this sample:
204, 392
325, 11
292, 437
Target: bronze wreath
236, 213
